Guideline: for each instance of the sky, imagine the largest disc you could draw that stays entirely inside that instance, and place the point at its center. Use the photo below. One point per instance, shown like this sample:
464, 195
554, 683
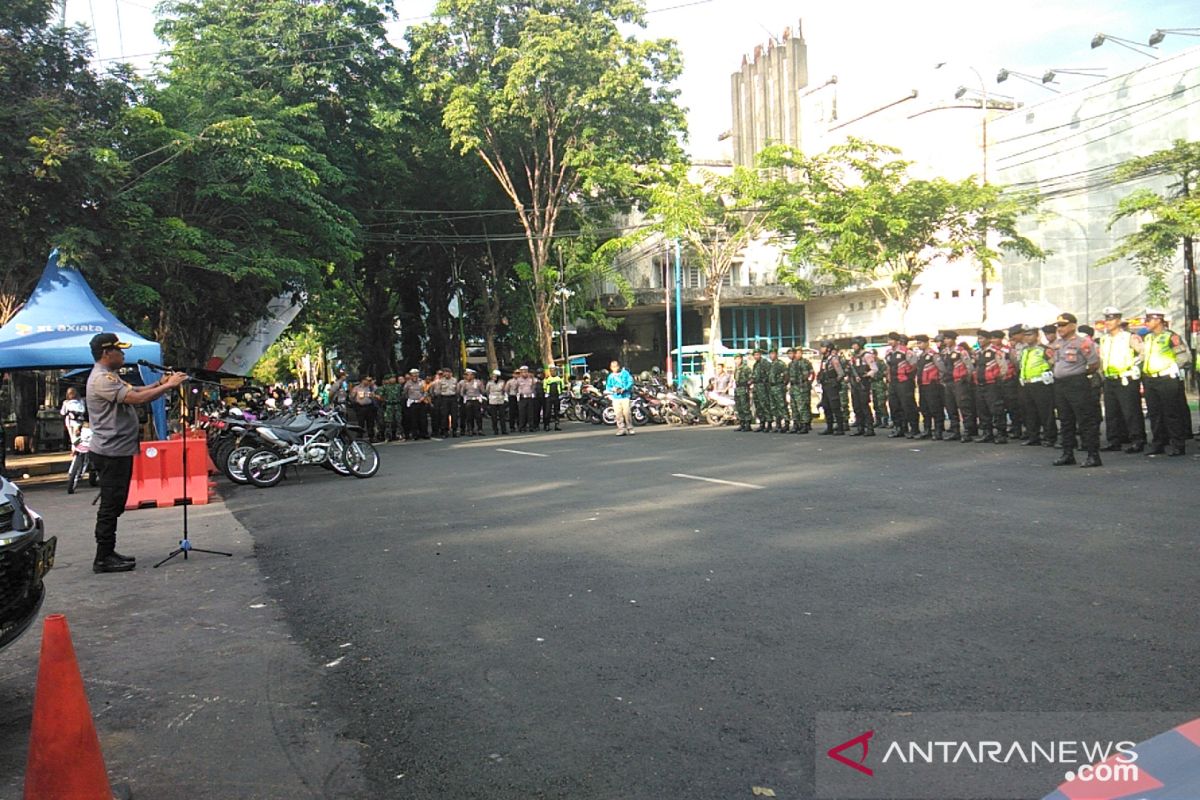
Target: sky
877, 49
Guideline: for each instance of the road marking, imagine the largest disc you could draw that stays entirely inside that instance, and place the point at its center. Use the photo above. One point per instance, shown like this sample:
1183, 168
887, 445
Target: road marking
717, 480
521, 452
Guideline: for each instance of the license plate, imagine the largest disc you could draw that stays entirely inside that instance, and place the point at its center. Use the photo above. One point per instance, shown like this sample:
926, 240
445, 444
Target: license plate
44, 557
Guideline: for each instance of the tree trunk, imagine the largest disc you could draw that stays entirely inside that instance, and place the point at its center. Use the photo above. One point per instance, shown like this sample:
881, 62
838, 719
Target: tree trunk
714, 329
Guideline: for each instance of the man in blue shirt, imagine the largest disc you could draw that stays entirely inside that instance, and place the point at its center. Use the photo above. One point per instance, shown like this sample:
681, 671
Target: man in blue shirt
619, 387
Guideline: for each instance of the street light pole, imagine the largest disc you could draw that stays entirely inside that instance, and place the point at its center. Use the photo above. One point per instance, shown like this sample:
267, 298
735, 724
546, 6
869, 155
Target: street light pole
983, 178
678, 315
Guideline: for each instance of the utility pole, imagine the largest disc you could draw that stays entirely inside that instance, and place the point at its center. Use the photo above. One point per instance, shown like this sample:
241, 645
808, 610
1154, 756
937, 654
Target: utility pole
678, 315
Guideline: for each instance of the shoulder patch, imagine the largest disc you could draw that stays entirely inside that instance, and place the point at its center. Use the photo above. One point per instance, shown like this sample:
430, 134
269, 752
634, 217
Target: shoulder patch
108, 376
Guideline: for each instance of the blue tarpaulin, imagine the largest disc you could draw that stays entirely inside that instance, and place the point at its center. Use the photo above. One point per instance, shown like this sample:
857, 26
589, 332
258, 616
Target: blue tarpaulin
52, 330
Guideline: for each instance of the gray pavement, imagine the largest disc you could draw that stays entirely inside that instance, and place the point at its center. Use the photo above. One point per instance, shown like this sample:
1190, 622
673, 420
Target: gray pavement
566, 616
197, 686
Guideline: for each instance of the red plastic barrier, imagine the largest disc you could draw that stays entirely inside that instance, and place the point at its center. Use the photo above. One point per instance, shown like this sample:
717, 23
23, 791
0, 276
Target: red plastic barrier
158, 478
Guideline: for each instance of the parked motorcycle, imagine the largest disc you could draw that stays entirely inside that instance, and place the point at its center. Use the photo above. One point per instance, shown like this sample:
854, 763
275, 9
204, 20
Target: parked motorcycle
322, 440
718, 409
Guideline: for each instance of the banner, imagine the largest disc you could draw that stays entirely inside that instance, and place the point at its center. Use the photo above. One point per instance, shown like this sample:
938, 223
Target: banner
238, 356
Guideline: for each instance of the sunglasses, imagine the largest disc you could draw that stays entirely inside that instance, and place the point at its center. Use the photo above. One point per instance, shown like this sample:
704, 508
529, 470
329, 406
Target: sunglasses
1063, 324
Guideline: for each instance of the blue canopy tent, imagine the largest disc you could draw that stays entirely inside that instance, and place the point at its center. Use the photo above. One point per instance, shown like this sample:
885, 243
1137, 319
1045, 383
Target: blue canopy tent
52, 331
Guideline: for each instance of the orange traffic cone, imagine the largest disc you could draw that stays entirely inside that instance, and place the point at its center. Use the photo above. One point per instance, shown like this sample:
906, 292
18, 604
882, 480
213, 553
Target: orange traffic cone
64, 751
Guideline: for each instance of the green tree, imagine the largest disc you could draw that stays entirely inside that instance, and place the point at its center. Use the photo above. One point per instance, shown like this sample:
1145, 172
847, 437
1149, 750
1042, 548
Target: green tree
250, 156
556, 101
854, 216
714, 216
1172, 219
55, 163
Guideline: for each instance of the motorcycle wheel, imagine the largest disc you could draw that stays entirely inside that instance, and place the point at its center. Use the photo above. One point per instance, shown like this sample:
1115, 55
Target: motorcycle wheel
234, 464
337, 457
639, 416
609, 416
714, 416
259, 471
362, 459
672, 418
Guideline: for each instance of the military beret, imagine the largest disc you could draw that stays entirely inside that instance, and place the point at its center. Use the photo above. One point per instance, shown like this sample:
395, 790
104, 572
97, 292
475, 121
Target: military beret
983, 333
1087, 330
1048, 328
949, 334
1014, 329
921, 337
894, 336
995, 334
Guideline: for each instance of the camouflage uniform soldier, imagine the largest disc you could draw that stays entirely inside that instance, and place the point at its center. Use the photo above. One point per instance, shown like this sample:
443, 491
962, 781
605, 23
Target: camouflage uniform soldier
800, 372
393, 408
762, 392
879, 396
778, 386
743, 376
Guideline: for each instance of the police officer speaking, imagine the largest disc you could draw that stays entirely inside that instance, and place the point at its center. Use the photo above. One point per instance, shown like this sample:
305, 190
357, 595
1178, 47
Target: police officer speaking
110, 404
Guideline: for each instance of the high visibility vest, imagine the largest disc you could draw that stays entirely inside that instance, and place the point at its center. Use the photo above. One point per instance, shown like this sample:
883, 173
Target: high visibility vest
1116, 353
1158, 356
1034, 363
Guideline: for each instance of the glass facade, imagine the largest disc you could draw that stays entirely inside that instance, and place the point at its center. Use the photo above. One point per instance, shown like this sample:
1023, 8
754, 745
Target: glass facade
743, 327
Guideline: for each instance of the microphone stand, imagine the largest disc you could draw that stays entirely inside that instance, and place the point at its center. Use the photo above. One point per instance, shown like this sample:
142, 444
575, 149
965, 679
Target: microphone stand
185, 544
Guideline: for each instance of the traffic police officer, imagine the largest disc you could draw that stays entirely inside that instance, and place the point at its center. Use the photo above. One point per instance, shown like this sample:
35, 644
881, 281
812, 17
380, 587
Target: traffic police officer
1037, 384
1164, 358
1120, 360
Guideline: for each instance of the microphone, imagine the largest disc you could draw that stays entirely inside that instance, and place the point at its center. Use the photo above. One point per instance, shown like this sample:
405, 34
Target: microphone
141, 362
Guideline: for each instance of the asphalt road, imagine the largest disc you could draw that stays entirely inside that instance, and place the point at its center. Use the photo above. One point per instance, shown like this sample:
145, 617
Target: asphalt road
586, 624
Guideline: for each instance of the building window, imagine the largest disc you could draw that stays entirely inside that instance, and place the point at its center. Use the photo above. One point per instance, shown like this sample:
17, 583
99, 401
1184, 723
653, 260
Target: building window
852, 306
937, 295
972, 293
732, 277
742, 327
954, 293
860, 306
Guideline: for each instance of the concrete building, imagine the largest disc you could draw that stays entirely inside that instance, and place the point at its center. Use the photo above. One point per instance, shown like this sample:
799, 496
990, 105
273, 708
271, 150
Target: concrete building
1065, 148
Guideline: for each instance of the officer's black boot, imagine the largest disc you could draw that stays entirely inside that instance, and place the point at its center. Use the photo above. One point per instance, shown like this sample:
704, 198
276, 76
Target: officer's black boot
1093, 460
782, 427
858, 431
928, 432
829, 427
870, 431
1066, 459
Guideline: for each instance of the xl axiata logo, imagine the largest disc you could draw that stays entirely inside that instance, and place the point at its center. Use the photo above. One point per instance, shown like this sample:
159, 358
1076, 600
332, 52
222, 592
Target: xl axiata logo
863, 741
